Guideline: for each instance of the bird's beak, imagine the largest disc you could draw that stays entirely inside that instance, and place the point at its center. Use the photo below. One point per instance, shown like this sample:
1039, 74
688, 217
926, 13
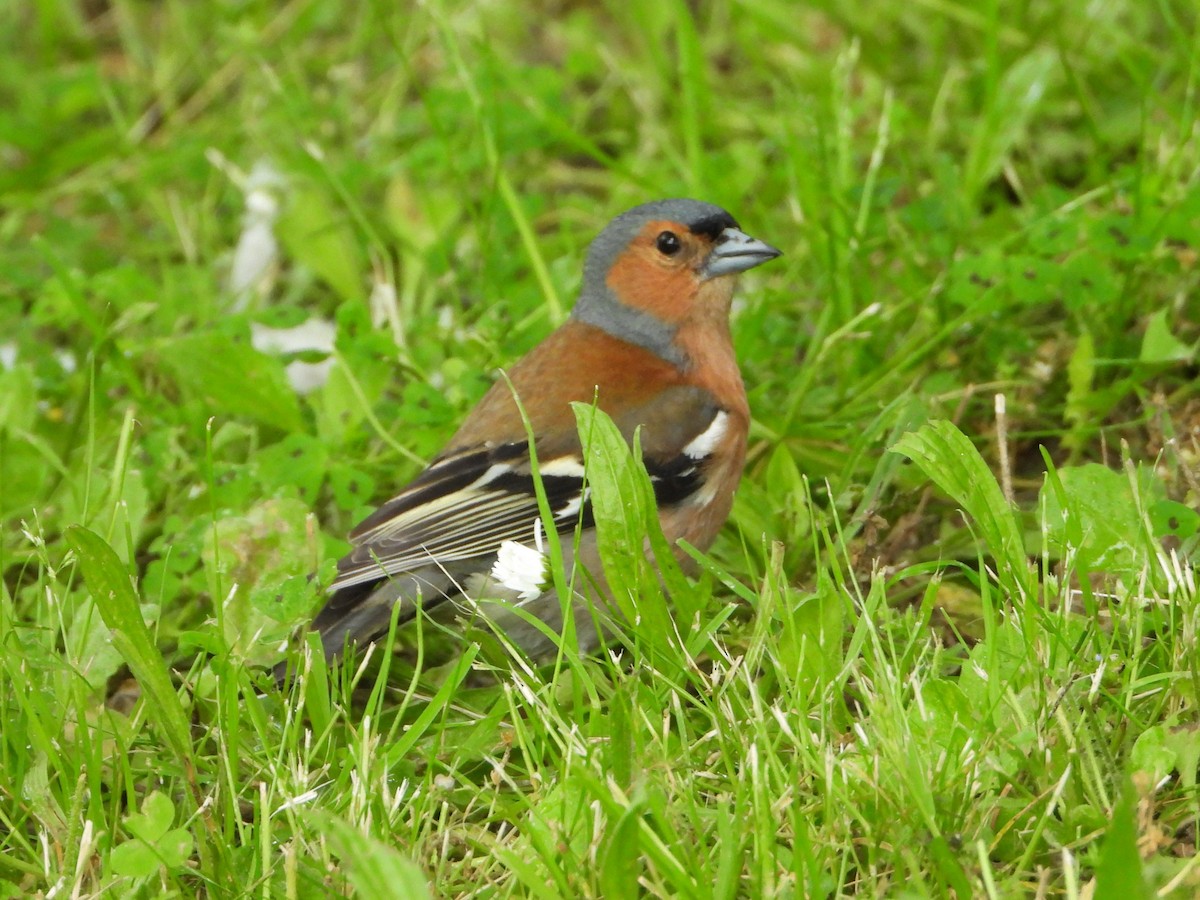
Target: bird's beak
736, 252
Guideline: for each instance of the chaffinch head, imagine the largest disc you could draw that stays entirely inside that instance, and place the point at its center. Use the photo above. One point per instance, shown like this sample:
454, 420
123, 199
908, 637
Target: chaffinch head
649, 342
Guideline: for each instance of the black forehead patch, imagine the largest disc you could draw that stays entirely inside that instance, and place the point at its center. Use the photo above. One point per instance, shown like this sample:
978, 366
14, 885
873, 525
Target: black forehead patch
711, 226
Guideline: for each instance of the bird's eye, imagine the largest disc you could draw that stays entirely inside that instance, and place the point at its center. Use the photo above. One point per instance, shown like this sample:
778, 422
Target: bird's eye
668, 243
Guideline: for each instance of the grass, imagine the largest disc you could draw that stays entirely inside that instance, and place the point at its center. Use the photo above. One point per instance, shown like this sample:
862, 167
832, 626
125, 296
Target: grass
937, 651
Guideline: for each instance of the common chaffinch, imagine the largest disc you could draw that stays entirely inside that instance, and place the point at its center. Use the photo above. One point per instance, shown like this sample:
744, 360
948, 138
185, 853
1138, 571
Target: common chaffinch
648, 341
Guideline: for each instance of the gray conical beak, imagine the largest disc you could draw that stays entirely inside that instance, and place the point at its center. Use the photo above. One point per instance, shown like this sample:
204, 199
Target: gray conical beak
736, 252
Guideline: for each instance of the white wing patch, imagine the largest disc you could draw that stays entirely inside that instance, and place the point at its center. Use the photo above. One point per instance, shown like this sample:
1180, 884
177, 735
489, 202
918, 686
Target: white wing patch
705, 443
572, 506
562, 467
493, 472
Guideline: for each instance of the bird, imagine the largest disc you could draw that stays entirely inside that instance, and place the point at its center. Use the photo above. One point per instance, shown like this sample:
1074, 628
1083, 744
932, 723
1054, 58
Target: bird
648, 342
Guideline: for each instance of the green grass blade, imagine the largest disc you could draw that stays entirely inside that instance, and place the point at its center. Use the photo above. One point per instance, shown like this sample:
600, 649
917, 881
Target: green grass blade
948, 458
374, 868
117, 601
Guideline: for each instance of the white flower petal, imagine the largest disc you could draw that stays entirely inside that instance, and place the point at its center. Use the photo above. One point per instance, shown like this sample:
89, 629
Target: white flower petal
314, 335
257, 249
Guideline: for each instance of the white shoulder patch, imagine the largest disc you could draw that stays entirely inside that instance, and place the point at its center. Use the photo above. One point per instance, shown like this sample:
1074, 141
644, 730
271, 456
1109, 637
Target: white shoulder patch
705, 443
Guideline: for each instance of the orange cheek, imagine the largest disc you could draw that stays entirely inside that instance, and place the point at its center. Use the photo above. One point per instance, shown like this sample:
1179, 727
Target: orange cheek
666, 293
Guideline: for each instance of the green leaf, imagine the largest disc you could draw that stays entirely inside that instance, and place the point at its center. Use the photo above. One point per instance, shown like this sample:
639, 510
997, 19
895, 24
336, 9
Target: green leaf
134, 859
18, 399
230, 378
175, 847
299, 461
351, 487
158, 812
285, 602
318, 236
151, 829
948, 867
808, 639
1186, 749
620, 739
1170, 518
626, 519
617, 503
1159, 345
374, 868
1099, 516
619, 868
137, 859
1009, 112
950, 461
89, 646
1081, 373
259, 552
1152, 754
1119, 872
117, 601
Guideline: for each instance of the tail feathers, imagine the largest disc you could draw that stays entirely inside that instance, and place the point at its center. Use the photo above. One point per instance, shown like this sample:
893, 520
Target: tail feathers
362, 612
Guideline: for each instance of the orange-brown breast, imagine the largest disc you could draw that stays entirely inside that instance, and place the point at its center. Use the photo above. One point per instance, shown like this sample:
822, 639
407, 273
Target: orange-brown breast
705, 340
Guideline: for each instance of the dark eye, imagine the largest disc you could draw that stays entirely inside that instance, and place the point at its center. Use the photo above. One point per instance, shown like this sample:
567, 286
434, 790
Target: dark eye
668, 243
